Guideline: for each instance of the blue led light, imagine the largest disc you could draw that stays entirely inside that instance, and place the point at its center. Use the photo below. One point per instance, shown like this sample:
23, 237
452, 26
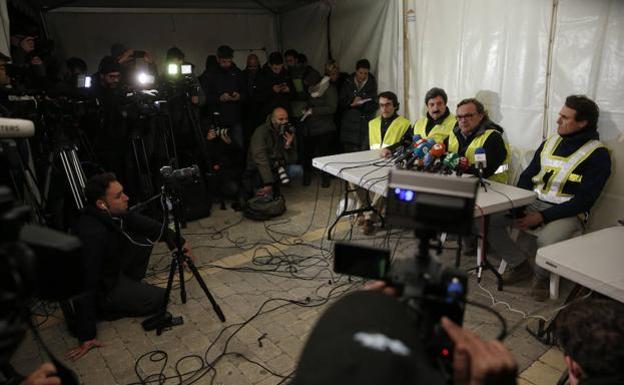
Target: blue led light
409, 195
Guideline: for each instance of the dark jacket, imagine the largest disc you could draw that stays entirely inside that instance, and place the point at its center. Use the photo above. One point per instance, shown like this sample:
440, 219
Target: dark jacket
102, 252
323, 108
225, 81
494, 146
354, 127
595, 171
266, 97
266, 148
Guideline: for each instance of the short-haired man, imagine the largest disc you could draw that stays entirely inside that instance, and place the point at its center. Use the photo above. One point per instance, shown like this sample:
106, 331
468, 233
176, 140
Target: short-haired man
475, 130
270, 145
116, 247
568, 172
226, 90
275, 87
383, 131
439, 121
357, 99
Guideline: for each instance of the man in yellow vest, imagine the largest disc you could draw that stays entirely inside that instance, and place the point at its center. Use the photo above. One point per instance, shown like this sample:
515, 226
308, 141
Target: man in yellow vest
439, 122
383, 131
568, 172
474, 130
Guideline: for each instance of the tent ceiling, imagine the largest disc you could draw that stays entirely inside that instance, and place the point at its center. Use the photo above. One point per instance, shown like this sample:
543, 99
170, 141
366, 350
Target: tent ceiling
276, 6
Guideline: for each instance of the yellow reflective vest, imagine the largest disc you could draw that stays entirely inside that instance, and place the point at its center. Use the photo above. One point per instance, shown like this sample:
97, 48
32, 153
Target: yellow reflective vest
562, 169
395, 132
439, 132
502, 173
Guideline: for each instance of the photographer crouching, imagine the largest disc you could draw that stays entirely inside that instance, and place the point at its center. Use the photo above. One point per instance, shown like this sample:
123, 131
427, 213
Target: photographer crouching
271, 158
116, 249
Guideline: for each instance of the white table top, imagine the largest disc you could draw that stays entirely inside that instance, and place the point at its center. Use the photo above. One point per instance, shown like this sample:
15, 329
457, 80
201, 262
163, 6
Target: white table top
594, 260
366, 169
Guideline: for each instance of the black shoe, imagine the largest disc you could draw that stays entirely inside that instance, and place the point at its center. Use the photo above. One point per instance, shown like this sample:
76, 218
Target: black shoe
307, 179
522, 272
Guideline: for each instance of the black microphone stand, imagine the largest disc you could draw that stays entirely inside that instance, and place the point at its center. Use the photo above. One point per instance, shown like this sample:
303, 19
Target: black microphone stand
163, 319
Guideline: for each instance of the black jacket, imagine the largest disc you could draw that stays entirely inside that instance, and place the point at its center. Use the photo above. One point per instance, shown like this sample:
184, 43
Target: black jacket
354, 125
595, 171
102, 252
266, 97
221, 81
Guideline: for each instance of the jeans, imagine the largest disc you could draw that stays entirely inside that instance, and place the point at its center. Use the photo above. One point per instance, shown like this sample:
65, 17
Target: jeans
516, 252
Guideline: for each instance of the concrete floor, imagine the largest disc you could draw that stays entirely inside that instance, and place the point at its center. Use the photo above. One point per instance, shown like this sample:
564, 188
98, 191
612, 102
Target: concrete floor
272, 281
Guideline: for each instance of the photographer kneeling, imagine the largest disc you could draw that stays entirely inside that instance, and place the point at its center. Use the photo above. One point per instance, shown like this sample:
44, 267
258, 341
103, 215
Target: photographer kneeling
271, 158
116, 249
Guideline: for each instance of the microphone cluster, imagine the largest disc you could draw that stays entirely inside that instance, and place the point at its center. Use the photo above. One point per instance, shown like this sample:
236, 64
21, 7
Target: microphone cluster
428, 156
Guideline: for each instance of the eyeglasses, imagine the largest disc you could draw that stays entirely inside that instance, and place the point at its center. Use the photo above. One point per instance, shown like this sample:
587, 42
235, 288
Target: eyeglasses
466, 116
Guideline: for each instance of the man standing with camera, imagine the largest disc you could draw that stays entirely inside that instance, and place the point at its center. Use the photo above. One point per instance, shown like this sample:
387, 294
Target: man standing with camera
272, 145
116, 248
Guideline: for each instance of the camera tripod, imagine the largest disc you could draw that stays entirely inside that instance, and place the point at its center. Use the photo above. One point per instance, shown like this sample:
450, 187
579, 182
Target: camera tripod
163, 319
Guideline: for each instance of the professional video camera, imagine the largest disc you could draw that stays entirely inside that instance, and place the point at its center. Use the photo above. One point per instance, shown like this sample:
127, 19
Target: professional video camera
35, 262
427, 204
286, 127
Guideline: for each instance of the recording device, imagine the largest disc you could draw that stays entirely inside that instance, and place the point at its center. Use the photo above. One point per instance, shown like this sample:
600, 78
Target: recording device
480, 164
427, 204
35, 262
181, 174
16, 128
84, 81
286, 127
283, 176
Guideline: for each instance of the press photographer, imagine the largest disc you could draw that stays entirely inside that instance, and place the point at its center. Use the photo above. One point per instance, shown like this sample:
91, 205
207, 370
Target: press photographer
272, 149
117, 247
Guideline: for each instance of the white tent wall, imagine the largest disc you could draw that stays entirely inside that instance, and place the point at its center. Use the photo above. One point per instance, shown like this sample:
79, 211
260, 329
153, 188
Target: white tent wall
588, 58
4, 29
89, 34
492, 49
369, 29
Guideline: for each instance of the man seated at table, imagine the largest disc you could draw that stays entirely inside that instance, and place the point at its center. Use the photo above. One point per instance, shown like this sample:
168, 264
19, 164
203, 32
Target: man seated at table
439, 121
383, 131
568, 172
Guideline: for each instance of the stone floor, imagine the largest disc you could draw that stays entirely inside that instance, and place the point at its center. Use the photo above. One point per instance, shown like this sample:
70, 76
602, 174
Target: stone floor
272, 280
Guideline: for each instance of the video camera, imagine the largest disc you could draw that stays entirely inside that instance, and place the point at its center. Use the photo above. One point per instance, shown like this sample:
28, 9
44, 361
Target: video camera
286, 127
35, 262
427, 204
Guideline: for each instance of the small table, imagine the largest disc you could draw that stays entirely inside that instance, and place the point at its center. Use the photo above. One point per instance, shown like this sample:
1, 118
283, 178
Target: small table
594, 260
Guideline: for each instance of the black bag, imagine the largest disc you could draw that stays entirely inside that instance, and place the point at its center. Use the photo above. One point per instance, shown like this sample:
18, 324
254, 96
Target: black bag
264, 208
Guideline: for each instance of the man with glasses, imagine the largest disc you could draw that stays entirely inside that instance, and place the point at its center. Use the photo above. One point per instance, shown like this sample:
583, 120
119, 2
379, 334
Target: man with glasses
383, 131
474, 130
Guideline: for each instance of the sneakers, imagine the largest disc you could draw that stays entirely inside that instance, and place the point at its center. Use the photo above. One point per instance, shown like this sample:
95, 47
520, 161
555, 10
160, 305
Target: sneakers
539, 290
520, 273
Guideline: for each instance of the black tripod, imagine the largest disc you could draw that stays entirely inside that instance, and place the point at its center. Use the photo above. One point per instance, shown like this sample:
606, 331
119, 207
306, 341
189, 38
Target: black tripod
163, 319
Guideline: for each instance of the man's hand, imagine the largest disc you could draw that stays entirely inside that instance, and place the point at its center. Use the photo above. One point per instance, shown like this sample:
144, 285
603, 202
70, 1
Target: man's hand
126, 56
530, 220
225, 97
381, 286
385, 153
264, 191
277, 88
83, 349
36, 60
212, 134
44, 375
235, 96
479, 362
356, 101
288, 139
28, 44
284, 88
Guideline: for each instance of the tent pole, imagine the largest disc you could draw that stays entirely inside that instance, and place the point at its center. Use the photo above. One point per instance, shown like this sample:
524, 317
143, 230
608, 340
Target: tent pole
551, 43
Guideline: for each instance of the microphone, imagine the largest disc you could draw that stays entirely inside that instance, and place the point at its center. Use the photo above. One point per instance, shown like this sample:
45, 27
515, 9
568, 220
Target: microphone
16, 128
480, 158
436, 152
450, 163
463, 165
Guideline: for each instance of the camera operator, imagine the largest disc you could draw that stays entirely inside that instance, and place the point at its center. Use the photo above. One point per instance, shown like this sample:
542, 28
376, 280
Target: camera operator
373, 340
116, 248
27, 58
272, 144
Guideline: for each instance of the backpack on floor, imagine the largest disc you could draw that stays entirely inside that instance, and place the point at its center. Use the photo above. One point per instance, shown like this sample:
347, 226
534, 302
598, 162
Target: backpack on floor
265, 208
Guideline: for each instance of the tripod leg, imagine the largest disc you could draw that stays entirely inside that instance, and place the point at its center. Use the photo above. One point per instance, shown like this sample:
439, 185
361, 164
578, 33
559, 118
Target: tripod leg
70, 174
182, 283
202, 284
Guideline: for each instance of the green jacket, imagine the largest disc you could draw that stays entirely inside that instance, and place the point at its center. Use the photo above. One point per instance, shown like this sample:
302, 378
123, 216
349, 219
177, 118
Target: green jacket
266, 148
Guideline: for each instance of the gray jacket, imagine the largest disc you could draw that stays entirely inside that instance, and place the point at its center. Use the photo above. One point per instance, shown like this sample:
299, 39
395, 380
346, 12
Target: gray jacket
267, 147
323, 108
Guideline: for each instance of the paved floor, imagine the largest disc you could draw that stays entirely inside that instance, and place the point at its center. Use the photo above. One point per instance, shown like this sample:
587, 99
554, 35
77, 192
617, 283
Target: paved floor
272, 281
